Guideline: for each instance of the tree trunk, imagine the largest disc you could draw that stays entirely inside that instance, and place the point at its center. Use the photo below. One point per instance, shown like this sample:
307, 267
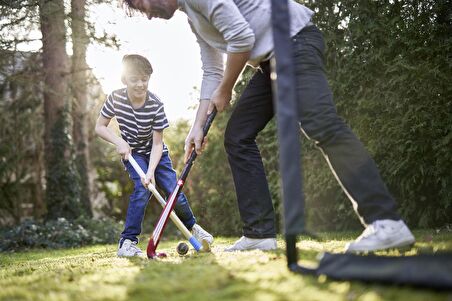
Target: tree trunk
62, 190
39, 205
79, 107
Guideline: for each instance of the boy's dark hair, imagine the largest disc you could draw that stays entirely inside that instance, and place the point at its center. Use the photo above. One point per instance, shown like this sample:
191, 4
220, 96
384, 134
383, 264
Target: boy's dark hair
135, 63
129, 7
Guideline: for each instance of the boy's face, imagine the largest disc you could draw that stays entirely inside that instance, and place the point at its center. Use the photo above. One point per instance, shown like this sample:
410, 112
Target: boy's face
163, 9
137, 85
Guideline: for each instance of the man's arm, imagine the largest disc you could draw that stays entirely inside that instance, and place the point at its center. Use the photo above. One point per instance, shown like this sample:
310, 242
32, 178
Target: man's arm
226, 18
220, 99
194, 140
234, 65
212, 66
102, 130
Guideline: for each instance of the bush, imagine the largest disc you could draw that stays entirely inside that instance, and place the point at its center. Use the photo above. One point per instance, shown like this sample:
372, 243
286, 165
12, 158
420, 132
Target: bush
59, 233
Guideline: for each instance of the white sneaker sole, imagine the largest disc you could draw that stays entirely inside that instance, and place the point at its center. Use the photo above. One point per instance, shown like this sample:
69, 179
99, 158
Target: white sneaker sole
120, 254
263, 246
135, 255
406, 242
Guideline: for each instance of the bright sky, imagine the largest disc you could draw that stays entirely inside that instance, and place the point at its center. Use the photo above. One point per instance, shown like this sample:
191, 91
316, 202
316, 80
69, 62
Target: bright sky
169, 45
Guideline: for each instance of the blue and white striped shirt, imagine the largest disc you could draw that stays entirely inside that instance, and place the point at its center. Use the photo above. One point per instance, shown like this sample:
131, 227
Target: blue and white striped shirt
136, 125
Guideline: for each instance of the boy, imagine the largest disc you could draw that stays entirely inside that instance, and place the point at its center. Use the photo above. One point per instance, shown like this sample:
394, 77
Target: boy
141, 120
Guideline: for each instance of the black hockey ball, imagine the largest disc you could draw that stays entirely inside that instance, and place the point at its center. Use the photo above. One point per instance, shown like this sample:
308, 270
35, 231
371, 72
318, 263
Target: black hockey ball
182, 248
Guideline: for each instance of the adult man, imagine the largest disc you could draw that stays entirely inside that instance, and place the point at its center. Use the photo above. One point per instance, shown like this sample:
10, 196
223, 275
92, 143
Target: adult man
241, 29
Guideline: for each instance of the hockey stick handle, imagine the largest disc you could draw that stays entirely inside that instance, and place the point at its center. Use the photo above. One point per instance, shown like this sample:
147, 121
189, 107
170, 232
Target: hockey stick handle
187, 234
163, 219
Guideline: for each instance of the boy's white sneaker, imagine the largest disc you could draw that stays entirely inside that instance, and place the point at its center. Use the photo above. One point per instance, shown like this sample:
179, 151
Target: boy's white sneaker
246, 243
129, 249
200, 234
381, 235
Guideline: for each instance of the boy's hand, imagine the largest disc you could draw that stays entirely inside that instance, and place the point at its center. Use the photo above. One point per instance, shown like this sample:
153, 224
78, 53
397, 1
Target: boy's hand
148, 179
123, 149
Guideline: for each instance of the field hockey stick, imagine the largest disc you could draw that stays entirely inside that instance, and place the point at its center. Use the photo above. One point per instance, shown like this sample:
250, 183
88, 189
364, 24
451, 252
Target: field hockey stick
163, 220
187, 234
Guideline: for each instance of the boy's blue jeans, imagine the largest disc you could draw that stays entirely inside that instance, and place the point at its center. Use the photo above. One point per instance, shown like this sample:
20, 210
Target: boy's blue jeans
165, 178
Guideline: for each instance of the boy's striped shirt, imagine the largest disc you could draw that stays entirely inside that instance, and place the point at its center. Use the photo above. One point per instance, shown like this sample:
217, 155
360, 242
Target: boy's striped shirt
136, 125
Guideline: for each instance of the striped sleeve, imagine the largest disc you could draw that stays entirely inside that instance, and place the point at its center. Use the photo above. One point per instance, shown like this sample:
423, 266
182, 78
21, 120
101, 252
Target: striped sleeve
108, 110
160, 122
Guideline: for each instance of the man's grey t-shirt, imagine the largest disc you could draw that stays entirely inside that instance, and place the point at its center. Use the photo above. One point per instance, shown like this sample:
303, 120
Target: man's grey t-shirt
235, 26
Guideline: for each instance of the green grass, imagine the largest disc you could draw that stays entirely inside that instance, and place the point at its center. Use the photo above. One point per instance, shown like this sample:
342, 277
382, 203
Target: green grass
95, 273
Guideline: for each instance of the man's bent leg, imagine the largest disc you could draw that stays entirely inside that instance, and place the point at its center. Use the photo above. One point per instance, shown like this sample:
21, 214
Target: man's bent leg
251, 114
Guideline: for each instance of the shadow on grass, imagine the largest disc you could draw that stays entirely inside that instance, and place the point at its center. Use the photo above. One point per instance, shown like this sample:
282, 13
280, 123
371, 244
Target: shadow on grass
253, 275
96, 273
194, 277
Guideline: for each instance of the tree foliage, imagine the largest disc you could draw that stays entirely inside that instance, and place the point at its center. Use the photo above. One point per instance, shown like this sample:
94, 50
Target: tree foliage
389, 65
24, 83
21, 133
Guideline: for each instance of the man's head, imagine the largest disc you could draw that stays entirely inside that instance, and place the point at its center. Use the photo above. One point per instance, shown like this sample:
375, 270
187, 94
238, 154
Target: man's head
136, 71
153, 8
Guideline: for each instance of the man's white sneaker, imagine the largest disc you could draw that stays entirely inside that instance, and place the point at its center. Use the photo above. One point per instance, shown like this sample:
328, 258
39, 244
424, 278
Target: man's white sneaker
129, 249
246, 243
381, 235
200, 234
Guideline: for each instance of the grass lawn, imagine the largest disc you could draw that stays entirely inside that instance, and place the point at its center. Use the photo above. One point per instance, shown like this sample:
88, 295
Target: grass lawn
95, 273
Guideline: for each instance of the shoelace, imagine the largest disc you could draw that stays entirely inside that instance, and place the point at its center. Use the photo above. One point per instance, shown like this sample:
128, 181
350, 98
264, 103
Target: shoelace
241, 241
374, 228
200, 233
133, 246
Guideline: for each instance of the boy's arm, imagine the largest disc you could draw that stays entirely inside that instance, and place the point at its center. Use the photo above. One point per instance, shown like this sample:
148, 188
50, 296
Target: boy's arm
156, 155
102, 130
